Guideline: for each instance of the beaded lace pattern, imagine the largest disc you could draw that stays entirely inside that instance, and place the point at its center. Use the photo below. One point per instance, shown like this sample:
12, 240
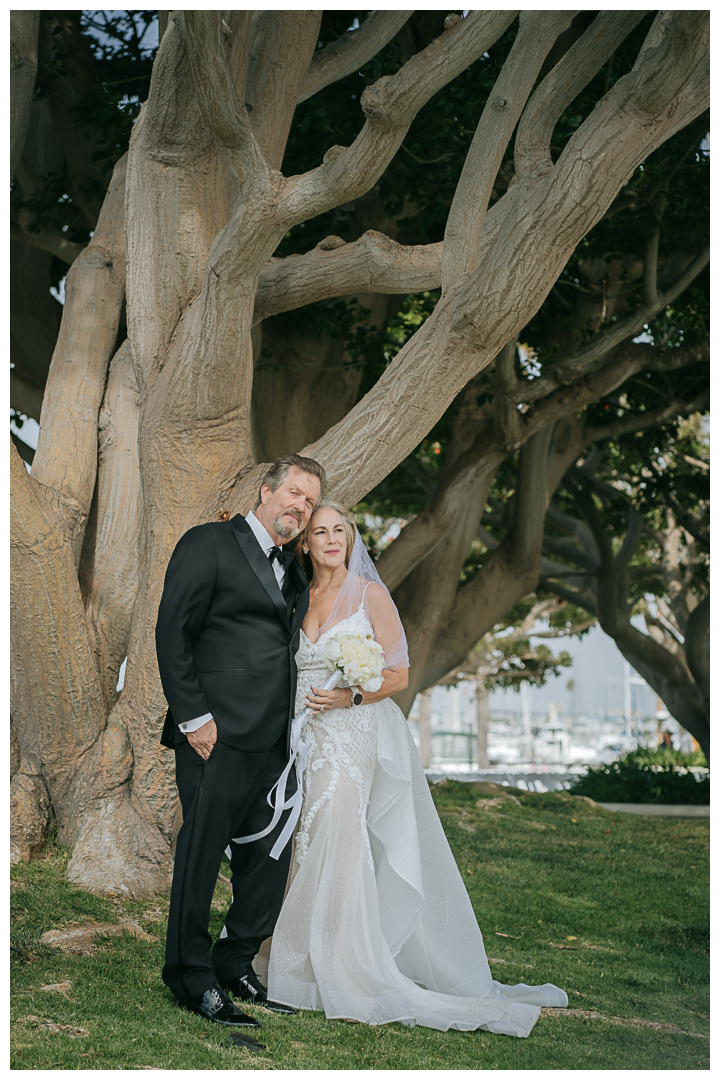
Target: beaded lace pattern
342, 739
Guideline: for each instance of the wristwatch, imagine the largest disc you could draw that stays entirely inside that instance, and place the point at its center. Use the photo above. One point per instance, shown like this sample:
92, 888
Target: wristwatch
356, 697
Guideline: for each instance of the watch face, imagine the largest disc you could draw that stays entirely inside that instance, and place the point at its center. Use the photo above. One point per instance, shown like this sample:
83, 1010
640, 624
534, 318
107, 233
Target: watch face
357, 699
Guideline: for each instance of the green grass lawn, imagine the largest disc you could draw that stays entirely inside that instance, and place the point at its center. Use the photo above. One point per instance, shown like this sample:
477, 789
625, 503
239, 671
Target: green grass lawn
626, 897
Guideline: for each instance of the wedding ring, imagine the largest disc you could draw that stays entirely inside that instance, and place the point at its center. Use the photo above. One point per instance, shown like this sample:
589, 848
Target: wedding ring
322, 708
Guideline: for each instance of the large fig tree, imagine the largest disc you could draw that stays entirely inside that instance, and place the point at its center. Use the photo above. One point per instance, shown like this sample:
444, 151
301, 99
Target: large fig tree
139, 443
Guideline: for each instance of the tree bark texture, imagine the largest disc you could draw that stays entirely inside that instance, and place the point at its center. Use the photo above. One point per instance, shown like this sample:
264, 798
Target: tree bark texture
160, 439
114, 548
24, 27
482, 713
95, 292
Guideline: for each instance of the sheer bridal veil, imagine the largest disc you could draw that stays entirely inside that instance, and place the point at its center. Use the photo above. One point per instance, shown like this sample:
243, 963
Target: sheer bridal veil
363, 588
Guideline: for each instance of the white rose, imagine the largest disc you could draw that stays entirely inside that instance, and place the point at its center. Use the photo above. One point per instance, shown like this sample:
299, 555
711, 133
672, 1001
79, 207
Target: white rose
373, 684
332, 650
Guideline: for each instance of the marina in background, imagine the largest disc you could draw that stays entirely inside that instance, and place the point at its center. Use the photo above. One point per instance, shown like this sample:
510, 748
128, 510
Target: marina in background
541, 738
536, 750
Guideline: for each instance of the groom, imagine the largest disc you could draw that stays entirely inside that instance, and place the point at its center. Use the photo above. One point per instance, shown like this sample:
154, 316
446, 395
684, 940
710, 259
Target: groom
226, 637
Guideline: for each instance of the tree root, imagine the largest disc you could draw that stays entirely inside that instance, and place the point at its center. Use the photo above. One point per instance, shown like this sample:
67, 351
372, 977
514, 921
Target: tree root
30, 815
117, 851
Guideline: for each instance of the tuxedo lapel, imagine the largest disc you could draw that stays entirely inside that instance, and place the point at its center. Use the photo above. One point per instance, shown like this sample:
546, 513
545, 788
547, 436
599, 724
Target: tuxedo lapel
302, 595
260, 566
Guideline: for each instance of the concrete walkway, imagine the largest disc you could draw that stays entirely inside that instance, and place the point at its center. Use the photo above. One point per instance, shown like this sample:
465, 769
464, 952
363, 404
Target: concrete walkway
657, 809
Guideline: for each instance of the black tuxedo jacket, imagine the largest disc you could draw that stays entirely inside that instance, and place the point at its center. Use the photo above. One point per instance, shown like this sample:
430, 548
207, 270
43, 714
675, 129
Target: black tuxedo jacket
226, 636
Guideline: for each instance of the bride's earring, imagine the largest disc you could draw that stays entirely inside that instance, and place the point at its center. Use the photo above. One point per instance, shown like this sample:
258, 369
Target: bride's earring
305, 550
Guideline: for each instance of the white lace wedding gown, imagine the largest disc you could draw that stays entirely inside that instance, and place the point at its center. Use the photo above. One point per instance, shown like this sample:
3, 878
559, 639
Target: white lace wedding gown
377, 925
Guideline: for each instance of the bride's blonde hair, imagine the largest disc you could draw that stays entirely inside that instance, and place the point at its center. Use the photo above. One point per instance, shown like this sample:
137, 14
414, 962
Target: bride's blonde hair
350, 533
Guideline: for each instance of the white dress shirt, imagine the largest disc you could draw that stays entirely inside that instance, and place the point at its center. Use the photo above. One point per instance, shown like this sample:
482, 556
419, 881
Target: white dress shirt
266, 542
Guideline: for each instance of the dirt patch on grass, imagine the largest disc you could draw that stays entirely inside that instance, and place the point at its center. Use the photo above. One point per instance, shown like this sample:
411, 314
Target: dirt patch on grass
590, 1014
52, 1028
58, 988
81, 940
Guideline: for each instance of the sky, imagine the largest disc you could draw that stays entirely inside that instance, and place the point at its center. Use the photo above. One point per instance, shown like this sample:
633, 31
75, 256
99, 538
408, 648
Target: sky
597, 671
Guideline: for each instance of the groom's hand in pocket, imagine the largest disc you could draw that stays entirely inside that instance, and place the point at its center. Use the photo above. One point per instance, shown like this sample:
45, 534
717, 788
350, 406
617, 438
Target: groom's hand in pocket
203, 740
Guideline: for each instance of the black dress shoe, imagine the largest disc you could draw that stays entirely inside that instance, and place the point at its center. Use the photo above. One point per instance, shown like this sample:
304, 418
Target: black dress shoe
215, 1005
249, 988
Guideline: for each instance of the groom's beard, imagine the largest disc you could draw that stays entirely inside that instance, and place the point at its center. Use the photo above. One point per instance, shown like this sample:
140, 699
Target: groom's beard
286, 531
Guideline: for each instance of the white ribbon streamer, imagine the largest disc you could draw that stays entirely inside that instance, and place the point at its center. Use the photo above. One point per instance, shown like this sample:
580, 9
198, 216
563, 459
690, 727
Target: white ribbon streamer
298, 758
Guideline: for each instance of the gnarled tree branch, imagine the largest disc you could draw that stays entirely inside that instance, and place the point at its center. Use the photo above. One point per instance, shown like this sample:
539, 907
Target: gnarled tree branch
663, 70
630, 542
112, 558
47, 239
226, 117
626, 362
510, 572
508, 426
66, 455
423, 533
597, 350
25, 228
663, 668
536, 36
374, 263
389, 105
280, 52
351, 50
561, 86
651, 418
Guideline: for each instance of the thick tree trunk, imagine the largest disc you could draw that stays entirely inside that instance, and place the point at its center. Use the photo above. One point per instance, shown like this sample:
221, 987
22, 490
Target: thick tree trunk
114, 548
95, 292
297, 403
24, 27
482, 706
425, 725
441, 636
303, 384
56, 701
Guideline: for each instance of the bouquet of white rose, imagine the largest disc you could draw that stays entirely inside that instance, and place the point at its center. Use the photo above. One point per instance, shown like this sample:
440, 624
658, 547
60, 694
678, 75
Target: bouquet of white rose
359, 657
355, 660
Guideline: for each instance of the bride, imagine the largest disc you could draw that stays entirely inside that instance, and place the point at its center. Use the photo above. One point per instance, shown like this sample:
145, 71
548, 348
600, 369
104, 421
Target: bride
377, 925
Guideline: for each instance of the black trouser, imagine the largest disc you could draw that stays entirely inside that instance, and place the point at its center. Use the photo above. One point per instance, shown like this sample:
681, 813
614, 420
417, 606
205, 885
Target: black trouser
223, 797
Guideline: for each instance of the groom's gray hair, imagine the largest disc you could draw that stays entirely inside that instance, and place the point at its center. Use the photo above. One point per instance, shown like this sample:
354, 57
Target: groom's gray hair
278, 472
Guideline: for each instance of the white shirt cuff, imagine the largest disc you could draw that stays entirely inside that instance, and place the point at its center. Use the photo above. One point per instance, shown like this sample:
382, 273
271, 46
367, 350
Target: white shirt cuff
193, 725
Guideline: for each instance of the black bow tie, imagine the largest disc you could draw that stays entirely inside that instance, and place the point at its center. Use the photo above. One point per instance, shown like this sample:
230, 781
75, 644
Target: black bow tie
283, 557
